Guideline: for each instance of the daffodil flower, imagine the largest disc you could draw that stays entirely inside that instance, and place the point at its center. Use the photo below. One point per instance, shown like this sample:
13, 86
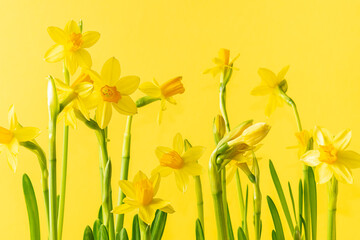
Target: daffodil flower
10, 139
271, 85
111, 91
303, 138
222, 62
140, 195
75, 96
70, 45
241, 161
178, 161
331, 158
165, 92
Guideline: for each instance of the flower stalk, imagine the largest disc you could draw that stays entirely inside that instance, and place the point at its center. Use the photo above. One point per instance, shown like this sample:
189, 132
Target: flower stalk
63, 168
333, 193
257, 200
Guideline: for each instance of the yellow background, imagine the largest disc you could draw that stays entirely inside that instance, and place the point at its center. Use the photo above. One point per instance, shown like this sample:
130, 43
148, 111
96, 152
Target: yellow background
163, 39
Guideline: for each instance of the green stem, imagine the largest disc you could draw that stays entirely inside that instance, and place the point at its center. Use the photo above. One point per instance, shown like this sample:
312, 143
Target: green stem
241, 204
105, 190
63, 169
223, 110
257, 200
52, 178
199, 200
216, 191
124, 169
145, 233
333, 193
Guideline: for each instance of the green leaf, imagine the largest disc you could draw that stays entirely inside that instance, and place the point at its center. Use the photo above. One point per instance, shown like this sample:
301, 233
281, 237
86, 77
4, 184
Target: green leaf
292, 200
229, 226
199, 230
88, 234
276, 219
313, 202
158, 225
103, 233
96, 229
281, 195
273, 235
100, 216
122, 235
32, 208
241, 234
136, 228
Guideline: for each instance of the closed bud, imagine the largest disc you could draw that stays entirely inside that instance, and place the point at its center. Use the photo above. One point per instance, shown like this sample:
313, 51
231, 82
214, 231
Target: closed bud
53, 103
252, 135
218, 128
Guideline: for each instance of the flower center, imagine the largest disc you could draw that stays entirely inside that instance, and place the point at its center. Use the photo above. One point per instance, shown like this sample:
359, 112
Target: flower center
110, 94
5, 136
76, 41
328, 154
172, 159
172, 87
144, 191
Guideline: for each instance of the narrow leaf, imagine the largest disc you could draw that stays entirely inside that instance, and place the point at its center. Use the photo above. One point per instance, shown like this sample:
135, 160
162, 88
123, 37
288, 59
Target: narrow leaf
241, 234
103, 233
229, 225
135, 228
292, 200
313, 202
88, 234
100, 216
32, 208
273, 235
123, 235
276, 219
281, 195
96, 229
158, 225
199, 230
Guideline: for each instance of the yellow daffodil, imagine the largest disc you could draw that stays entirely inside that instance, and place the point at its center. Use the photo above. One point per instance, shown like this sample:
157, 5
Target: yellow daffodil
75, 96
140, 195
165, 91
178, 161
331, 158
112, 91
11, 138
70, 46
270, 83
303, 138
239, 162
222, 62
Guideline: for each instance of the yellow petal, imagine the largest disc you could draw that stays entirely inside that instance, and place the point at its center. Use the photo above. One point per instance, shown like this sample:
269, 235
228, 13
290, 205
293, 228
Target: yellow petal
131, 202
193, 154
110, 72
192, 168
127, 188
171, 100
123, 208
71, 63
323, 136
139, 177
11, 159
271, 106
155, 179
150, 89
311, 158
126, 106
178, 144
24, 134
268, 77
323, 173
12, 118
342, 139
60, 85
282, 73
261, 90
147, 214
83, 109
70, 118
103, 114
167, 209
160, 151
57, 34
342, 173
55, 53
230, 173
349, 158
182, 180
84, 89
163, 171
90, 38
127, 85
72, 27
158, 203
83, 58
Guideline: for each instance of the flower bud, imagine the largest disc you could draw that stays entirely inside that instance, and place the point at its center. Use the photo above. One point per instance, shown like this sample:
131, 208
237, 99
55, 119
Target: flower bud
218, 128
252, 135
53, 103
